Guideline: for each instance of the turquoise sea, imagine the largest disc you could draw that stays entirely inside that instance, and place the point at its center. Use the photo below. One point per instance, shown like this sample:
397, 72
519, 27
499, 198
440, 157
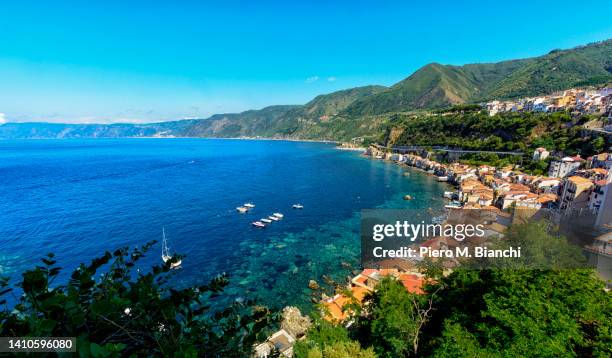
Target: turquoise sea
78, 198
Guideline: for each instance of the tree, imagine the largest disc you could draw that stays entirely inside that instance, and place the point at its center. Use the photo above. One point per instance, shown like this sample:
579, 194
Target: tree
544, 303
598, 144
341, 349
522, 313
507, 311
320, 335
540, 248
394, 318
112, 310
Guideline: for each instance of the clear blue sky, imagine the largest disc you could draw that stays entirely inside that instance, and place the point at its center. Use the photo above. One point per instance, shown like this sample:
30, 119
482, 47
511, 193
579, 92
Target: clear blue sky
105, 61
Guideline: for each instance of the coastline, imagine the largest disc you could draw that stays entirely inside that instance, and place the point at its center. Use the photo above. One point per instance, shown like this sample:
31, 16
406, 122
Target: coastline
174, 137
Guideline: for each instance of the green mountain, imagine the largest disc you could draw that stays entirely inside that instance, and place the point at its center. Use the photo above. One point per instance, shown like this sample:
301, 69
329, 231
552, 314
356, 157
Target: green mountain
280, 121
264, 122
333, 103
436, 85
362, 111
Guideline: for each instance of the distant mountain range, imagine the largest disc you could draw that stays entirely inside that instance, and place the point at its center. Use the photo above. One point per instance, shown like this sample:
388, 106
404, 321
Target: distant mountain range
358, 111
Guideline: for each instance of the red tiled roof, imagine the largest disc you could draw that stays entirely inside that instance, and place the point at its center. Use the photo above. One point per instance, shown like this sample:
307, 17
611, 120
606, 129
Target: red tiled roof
413, 283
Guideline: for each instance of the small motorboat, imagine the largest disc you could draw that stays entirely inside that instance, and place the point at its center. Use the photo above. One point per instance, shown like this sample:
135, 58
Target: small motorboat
242, 209
267, 221
449, 195
298, 206
258, 224
278, 215
438, 219
453, 205
272, 217
248, 205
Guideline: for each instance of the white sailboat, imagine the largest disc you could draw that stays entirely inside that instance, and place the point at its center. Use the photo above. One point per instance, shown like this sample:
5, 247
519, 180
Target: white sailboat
166, 252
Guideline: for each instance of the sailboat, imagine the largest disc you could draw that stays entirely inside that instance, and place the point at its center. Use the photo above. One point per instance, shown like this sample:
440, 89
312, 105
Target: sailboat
166, 252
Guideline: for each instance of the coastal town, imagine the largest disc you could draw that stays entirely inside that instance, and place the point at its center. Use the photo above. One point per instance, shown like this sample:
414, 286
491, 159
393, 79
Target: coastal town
575, 192
575, 100
575, 189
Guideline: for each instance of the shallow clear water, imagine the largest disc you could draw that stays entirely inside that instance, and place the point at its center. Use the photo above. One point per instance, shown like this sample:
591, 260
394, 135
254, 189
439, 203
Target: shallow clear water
78, 198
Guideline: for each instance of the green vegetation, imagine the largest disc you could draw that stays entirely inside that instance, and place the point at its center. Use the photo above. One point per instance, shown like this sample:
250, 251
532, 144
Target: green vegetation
394, 319
341, 350
327, 340
502, 132
316, 119
436, 85
505, 312
509, 311
479, 131
521, 313
114, 311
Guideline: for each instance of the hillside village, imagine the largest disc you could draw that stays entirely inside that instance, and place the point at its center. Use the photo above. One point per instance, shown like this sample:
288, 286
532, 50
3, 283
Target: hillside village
576, 101
574, 185
574, 189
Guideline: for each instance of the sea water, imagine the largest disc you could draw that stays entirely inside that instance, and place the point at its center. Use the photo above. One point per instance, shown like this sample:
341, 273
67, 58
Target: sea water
79, 198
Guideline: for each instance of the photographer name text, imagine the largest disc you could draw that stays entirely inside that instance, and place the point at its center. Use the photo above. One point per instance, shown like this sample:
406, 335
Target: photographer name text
424, 251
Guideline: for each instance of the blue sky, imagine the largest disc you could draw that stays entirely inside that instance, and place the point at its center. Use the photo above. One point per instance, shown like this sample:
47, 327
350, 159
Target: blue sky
113, 61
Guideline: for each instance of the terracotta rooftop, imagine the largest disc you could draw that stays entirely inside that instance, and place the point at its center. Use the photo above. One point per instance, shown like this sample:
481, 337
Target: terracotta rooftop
579, 180
413, 283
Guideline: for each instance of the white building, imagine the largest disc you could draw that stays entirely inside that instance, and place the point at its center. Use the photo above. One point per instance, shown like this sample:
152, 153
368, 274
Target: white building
600, 201
564, 167
540, 154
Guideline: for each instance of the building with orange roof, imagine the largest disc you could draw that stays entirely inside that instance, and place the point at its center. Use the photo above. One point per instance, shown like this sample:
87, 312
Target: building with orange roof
413, 283
546, 185
524, 198
337, 309
540, 154
547, 200
576, 192
601, 160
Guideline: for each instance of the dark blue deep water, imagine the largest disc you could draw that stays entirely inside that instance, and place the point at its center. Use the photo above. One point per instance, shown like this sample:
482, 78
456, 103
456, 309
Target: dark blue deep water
78, 198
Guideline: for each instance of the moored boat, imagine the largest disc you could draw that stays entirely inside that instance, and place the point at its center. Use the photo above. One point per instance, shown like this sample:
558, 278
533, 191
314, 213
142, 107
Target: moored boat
166, 252
267, 221
249, 205
453, 205
272, 217
449, 194
242, 209
278, 215
298, 206
258, 224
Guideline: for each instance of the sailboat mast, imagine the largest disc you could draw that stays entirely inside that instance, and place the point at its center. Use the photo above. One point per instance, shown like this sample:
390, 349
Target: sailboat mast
164, 247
